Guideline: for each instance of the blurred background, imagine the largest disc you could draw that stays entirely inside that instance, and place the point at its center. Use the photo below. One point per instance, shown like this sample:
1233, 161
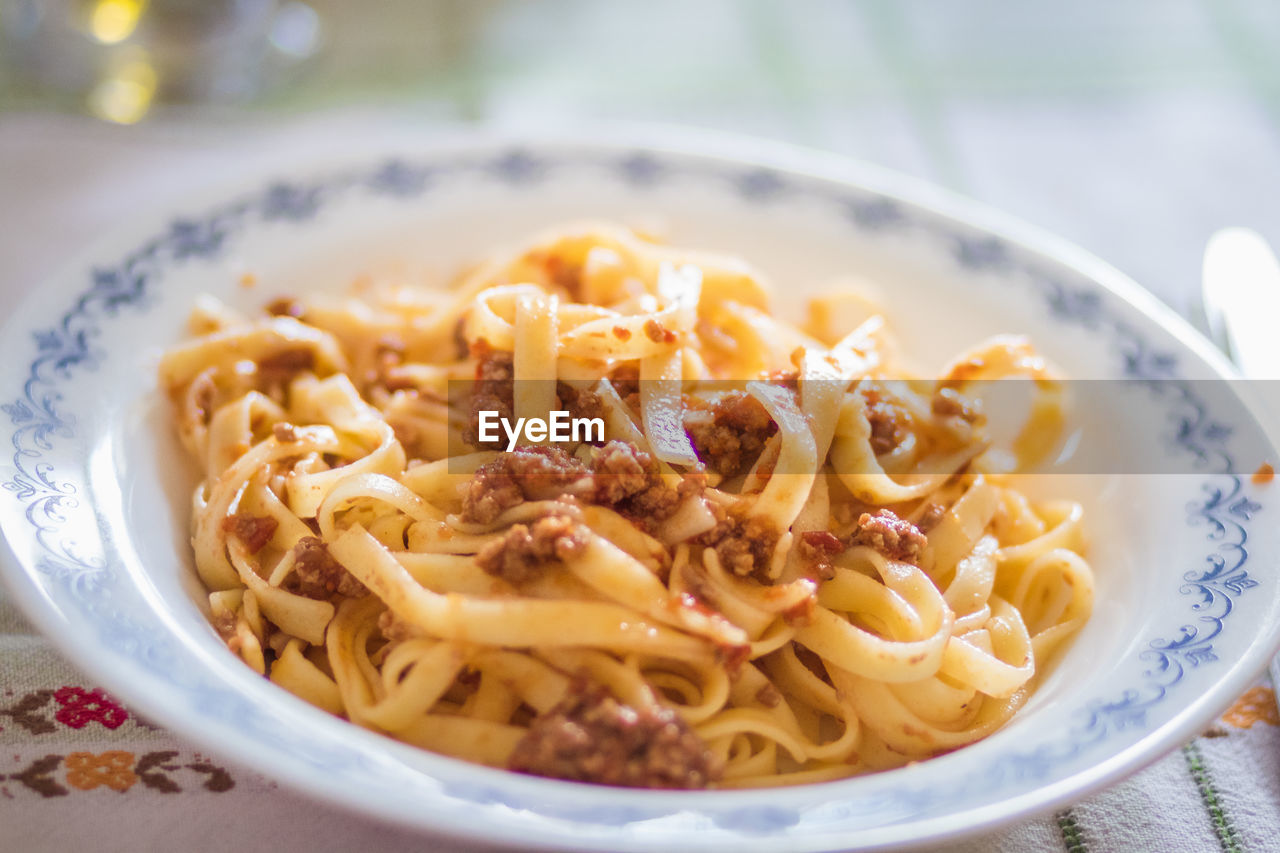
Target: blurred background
1133, 127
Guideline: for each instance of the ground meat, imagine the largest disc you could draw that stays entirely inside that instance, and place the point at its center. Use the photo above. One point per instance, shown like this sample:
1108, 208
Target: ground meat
765, 466
965, 370
891, 536
744, 545
658, 333
733, 657
626, 381
255, 531
768, 695
814, 542
316, 574
279, 367
561, 273
524, 552
628, 481
284, 432
933, 513
578, 403
286, 306
620, 477
655, 504
394, 629
817, 548
888, 422
730, 433
621, 471
225, 623
493, 391
801, 613
950, 403
386, 371
460, 346
592, 737
489, 493
526, 473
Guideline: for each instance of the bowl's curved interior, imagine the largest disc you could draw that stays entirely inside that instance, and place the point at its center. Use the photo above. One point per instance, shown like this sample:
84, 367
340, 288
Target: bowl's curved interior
98, 517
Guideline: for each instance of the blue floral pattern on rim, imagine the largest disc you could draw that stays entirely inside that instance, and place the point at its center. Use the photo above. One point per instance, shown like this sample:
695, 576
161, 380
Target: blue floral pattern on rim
41, 416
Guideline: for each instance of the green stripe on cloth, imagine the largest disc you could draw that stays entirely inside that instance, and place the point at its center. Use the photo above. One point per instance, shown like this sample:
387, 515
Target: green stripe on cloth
1226, 832
1072, 838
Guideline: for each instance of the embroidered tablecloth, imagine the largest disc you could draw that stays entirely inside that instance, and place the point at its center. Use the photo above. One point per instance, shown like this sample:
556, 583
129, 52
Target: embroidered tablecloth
80, 771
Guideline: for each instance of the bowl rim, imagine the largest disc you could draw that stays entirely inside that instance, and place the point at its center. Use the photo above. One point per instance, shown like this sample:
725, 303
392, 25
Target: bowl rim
115, 672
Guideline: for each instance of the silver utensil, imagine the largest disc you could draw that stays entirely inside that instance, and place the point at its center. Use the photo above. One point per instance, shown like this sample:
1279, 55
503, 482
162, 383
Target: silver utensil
1241, 293
1240, 289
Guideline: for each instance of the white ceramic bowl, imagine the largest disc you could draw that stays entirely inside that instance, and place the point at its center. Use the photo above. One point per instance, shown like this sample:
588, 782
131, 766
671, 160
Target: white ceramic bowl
95, 514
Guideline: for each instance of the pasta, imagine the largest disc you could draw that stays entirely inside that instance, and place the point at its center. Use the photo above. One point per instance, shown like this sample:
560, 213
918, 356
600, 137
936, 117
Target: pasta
775, 560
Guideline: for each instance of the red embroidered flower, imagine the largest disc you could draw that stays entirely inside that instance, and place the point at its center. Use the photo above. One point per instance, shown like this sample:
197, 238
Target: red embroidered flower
81, 707
113, 768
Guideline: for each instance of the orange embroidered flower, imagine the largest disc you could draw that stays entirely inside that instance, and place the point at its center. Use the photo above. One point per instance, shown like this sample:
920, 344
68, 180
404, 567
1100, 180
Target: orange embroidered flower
113, 768
1258, 704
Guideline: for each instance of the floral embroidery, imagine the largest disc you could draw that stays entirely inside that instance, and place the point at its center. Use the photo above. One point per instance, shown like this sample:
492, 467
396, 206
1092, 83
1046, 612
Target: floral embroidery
118, 769
80, 707
219, 779
149, 767
113, 768
1258, 704
27, 712
38, 776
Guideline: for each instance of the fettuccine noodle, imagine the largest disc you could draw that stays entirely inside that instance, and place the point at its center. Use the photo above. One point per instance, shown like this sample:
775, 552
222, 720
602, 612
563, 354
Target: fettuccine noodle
781, 562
